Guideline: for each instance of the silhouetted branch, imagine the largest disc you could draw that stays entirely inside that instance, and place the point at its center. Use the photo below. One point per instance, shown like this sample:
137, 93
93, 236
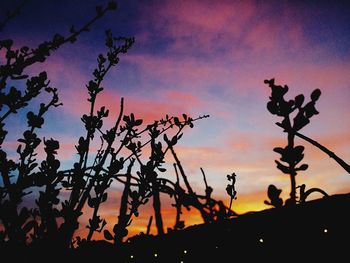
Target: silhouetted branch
192, 195
12, 14
204, 178
182, 172
304, 194
181, 123
331, 154
123, 218
178, 223
157, 209
27, 57
149, 225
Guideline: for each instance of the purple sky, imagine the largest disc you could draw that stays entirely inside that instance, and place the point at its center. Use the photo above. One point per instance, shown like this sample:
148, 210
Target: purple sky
207, 57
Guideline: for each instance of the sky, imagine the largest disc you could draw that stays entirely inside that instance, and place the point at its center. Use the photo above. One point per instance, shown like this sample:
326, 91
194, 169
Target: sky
204, 57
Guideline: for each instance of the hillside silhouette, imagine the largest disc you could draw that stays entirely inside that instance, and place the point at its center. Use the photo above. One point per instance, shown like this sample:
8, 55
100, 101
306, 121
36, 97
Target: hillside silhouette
316, 230
132, 153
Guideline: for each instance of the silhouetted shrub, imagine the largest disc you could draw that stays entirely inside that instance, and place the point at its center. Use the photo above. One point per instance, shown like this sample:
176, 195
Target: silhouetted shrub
296, 114
53, 219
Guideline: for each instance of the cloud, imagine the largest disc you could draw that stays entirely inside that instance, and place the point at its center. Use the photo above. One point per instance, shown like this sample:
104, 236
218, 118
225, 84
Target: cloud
232, 28
211, 57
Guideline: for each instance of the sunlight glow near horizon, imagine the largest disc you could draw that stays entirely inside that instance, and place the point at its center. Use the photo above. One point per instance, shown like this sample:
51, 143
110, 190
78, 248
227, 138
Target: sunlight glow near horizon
207, 57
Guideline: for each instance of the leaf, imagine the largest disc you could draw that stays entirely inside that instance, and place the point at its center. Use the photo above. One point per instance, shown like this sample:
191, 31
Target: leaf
269, 81
315, 95
19, 148
267, 203
161, 169
176, 121
104, 197
104, 223
166, 139
302, 167
174, 140
138, 122
27, 227
299, 100
272, 107
65, 184
299, 149
282, 167
32, 166
278, 150
91, 202
107, 235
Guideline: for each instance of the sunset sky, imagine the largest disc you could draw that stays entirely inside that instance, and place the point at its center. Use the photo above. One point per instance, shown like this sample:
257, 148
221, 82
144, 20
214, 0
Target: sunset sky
204, 57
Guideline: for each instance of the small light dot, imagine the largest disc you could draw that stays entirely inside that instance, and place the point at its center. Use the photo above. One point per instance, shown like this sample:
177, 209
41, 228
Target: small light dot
325, 230
131, 256
155, 255
216, 247
185, 251
261, 240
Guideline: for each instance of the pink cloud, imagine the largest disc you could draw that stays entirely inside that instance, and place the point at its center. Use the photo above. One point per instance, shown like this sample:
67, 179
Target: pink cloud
237, 29
216, 58
201, 25
149, 108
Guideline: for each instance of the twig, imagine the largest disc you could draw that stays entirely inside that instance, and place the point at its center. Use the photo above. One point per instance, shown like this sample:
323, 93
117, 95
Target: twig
331, 154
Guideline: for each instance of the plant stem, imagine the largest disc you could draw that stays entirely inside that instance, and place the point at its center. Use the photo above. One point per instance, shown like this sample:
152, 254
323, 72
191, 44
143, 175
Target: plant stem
331, 154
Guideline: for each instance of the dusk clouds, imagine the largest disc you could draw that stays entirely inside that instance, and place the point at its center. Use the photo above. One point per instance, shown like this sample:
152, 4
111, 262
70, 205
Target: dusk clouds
211, 57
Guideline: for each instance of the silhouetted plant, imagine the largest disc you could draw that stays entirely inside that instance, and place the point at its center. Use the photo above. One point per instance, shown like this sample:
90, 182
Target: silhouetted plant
280, 107
231, 191
21, 175
294, 154
211, 210
54, 220
82, 179
291, 155
304, 194
273, 194
179, 224
148, 181
25, 174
